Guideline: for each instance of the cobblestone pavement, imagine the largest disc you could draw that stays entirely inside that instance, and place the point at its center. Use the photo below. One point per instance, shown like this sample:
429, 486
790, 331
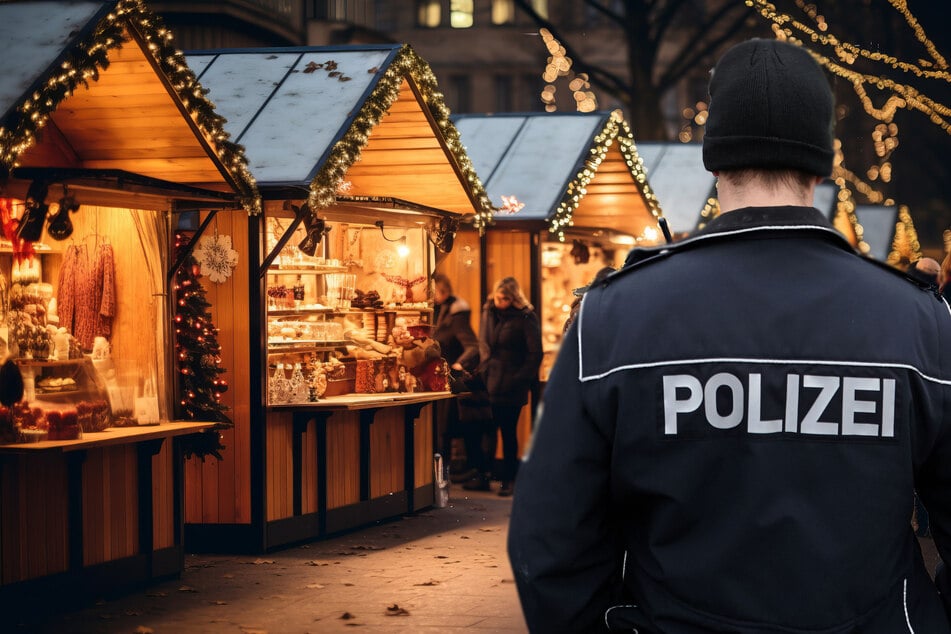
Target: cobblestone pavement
440, 570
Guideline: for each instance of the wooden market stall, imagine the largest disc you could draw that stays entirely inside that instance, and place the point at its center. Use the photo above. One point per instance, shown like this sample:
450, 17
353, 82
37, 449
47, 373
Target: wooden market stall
364, 184
573, 197
104, 137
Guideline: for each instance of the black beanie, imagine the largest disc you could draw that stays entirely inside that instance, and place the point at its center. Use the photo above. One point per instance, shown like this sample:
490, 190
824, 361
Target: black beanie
771, 108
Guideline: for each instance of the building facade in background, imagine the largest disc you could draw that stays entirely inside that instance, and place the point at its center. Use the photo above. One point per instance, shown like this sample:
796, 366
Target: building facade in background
487, 55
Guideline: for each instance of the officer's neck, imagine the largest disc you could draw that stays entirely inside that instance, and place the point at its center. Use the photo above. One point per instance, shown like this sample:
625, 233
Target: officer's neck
755, 193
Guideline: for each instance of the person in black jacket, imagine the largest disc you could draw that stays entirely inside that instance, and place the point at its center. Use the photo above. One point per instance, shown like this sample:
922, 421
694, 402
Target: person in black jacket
731, 435
452, 328
510, 353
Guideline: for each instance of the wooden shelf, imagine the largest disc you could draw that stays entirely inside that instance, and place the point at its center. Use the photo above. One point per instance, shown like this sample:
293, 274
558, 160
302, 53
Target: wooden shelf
366, 401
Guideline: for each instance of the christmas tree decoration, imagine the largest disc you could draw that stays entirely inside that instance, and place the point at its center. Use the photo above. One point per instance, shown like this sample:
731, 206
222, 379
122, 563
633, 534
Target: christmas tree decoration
198, 359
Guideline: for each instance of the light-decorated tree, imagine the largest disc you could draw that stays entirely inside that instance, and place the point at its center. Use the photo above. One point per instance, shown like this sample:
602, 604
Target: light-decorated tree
198, 359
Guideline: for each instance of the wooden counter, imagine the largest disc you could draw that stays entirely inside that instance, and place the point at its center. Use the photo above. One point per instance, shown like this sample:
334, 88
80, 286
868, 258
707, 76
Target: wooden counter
367, 401
89, 517
334, 465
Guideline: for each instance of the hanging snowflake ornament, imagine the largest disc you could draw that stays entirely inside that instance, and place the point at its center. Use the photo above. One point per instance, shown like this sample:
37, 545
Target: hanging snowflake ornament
216, 257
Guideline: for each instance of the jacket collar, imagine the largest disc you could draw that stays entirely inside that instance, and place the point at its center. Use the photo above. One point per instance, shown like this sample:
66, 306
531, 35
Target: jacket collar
746, 222
766, 217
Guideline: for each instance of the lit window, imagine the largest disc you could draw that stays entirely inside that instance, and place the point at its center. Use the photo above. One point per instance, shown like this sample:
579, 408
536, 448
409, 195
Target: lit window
541, 7
428, 13
460, 14
503, 11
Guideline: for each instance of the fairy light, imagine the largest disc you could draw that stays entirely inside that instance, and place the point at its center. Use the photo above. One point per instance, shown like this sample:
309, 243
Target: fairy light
559, 66
325, 185
89, 56
617, 131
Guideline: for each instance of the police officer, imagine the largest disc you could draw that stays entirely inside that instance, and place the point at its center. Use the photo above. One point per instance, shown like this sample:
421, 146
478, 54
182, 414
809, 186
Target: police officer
735, 426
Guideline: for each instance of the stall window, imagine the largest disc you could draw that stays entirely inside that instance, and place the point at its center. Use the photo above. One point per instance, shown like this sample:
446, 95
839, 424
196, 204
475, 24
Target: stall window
428, 13
503, 11
460, 14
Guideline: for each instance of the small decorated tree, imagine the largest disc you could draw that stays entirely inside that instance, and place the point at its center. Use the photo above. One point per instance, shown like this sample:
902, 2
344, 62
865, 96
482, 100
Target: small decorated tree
198, 359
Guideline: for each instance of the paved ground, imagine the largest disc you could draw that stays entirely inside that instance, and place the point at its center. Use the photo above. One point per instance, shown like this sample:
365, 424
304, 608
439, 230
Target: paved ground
442, 570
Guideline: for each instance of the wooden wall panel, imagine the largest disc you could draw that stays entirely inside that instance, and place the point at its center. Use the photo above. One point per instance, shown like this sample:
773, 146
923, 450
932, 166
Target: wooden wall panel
279, 470
508, 253
462, 266
110, 504
33, 527
387, 452
219, 491
163, 497
343, 459
309, 496
423, 446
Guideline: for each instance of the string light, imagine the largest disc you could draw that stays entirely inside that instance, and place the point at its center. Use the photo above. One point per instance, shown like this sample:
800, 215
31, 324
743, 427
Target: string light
90, 55
903, 96
617, 131
559, 65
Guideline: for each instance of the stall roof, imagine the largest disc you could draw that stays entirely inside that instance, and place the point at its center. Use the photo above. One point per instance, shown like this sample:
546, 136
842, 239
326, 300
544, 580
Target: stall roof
683, 185
579, 169
98, 86
360, 121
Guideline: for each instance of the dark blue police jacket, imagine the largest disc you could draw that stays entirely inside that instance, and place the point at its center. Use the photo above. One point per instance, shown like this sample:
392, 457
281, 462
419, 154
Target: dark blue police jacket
730, 440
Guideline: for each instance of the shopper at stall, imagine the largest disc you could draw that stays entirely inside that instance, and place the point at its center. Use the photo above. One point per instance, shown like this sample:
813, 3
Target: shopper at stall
735, 425
510, 353
452, 328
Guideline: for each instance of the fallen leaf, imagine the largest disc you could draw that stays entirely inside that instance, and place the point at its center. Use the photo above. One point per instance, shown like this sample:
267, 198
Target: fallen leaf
346, 615
143, 630
187, 589
395, 610
218, 602
258, 562
442, 557
228, 576
132, 612
314, 586
431, 582
156, 594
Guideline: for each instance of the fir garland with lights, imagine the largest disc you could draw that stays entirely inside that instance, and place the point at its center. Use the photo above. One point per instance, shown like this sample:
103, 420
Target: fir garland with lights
82, 64
324, 187
615, 130
198, 359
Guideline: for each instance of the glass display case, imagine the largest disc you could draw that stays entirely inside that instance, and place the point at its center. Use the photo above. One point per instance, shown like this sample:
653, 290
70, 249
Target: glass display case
346, 318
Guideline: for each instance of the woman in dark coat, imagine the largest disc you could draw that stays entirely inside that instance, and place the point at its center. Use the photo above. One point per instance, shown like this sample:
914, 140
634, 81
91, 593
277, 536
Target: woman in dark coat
510, 353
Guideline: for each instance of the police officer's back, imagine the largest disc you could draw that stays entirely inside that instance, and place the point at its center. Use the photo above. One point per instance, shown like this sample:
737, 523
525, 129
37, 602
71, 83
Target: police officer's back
732, 434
